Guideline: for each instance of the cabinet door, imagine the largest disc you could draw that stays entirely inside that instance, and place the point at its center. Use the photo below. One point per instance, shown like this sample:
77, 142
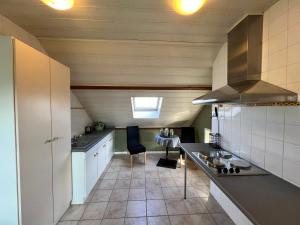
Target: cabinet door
101, 159
110, 147
105, 155
91, 169
32, 88
61, 134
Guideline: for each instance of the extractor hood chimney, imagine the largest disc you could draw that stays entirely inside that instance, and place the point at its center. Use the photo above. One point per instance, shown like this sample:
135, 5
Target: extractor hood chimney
244, 70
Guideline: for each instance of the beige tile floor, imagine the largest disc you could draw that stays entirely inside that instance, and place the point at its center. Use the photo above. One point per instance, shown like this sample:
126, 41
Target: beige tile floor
148, 195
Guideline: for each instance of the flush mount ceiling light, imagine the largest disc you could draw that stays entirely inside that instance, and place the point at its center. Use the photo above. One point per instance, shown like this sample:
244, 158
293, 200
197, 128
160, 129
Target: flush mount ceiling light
59, 4
187, 7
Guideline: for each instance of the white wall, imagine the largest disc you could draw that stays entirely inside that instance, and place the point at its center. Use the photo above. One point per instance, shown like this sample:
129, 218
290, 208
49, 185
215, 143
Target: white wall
79, 117
7, 27
219, 73
270, 136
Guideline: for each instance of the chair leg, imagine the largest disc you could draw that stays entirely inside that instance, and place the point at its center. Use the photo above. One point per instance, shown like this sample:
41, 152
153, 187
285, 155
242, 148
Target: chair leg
145, 157
180, 160
131, 160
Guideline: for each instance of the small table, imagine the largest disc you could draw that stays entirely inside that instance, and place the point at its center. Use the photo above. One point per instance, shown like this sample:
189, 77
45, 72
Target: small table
172, 141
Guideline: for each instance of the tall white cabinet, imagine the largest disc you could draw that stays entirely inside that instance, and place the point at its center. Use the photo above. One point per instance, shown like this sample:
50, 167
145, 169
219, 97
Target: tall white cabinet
36, 162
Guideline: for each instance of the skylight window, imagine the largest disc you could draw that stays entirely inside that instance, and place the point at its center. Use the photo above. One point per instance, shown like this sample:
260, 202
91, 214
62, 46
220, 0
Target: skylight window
146, 107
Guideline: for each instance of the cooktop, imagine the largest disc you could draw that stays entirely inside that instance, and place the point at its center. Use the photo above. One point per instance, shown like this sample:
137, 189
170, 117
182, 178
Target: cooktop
225, 163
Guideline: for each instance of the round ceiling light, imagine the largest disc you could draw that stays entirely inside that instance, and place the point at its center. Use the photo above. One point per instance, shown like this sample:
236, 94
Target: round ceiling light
187, 7
59, 4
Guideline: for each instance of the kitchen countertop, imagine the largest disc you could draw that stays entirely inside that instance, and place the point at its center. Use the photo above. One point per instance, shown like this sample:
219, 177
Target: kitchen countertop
90, 140
265, 200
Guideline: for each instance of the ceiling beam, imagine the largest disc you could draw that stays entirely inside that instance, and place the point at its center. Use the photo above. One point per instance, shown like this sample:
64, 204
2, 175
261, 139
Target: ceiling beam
140, 87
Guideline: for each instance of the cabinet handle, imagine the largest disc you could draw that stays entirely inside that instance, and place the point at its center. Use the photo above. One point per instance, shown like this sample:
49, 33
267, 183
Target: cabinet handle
48, 141
56, 138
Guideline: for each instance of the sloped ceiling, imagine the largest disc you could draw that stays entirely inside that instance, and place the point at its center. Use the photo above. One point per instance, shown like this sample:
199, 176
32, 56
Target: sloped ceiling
115, 107
133, 42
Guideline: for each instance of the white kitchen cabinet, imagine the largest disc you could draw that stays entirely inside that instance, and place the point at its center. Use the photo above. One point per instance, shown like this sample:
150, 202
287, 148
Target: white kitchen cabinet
35, 93
111, 147
88, 166
102, 159
91, 159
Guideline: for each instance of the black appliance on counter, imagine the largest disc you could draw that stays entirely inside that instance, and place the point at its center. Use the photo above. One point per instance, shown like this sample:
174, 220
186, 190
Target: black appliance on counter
88, 129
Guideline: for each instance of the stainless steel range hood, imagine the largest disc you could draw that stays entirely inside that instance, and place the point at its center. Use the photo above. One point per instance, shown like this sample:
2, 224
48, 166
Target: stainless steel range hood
244, 70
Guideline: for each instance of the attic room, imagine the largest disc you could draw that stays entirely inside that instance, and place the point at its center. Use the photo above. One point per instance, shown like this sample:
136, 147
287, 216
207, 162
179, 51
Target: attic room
138, 112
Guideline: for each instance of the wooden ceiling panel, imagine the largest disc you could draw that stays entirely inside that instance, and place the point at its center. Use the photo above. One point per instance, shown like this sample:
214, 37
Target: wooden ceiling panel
130, 19
133, 42
114, 107
134, 62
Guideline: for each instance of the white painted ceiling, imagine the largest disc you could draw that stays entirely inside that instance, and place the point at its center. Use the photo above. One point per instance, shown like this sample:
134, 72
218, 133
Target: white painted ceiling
132, 42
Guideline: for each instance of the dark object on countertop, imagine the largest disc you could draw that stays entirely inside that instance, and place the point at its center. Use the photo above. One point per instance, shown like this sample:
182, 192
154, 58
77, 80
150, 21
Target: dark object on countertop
88, 129
187, 136
133, 142
215, 140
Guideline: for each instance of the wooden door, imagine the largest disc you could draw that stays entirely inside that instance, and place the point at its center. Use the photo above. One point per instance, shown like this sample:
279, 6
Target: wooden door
32, 96
61, 134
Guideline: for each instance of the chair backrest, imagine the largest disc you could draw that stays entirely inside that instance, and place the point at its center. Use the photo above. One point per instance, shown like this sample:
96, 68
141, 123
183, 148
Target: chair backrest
133, 136
187, 135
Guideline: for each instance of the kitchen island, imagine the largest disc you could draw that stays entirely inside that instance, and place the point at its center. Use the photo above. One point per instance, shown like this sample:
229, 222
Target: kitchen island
264, 200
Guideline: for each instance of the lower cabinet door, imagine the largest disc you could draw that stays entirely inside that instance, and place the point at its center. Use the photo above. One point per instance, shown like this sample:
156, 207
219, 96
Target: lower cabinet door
91, 169
100, 163
110, 148
101, 159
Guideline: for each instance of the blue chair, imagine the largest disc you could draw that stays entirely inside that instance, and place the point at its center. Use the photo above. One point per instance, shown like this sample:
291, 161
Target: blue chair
187, 136
133, 143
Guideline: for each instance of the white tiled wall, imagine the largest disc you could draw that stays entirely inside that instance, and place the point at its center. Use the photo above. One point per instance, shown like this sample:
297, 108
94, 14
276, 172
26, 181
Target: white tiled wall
281, 44
269, 136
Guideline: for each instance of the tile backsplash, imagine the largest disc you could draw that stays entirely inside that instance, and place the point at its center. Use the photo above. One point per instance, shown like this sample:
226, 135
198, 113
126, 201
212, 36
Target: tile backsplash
267, 136
281, 45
